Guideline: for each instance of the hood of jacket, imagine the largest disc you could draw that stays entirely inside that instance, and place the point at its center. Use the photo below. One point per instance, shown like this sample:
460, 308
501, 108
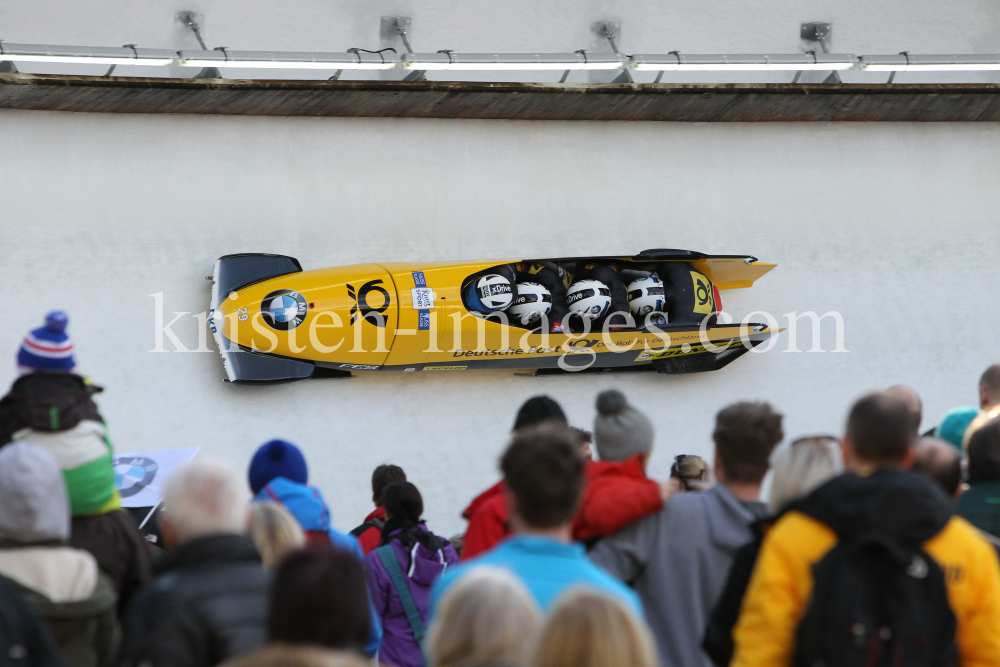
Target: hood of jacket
35, 503
56, 573
632, 467
47, 401
486, 496
727, 518
377, 513
903, 507
420, 553
304, 502
223, 548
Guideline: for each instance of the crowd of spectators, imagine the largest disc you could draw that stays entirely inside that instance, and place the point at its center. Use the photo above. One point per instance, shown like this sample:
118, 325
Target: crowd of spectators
877, 546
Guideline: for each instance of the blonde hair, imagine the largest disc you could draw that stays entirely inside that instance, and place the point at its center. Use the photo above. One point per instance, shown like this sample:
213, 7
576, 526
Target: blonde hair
587, 628
487, 617
275, 531
689, 469
205, 496
802, 466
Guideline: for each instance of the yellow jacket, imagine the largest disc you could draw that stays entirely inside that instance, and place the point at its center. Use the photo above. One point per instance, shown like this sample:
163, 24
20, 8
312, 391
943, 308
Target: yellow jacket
782, 582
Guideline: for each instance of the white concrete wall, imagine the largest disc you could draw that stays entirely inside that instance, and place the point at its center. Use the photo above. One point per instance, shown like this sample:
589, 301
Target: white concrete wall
894, 226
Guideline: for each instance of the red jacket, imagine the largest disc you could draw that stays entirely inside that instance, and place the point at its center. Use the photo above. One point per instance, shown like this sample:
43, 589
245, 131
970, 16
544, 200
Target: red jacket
617, 494
488, 522
369, 539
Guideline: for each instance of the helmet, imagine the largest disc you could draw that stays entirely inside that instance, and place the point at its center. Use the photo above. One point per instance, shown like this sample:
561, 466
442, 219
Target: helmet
531, 301
490, 293
646, 296
588, 298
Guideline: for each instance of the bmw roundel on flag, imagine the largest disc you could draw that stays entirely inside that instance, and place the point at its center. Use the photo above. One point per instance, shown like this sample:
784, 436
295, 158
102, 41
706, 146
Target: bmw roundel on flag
139, 478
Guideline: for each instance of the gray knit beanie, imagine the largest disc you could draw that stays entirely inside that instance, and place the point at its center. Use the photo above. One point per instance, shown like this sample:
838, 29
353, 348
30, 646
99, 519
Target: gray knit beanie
620, 431
34, 505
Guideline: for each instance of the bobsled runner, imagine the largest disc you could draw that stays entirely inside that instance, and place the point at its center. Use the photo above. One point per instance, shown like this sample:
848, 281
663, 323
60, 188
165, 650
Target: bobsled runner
654, 311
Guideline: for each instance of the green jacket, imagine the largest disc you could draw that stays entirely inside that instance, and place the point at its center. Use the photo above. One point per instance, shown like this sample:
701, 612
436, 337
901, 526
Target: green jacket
980, 506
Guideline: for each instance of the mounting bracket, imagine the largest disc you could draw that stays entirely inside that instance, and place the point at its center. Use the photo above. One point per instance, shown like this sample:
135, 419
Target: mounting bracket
190, 21
399, 26
611, 31
820, 33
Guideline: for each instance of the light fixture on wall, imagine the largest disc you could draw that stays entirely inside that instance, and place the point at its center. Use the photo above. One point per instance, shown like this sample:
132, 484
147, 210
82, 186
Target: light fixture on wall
905, 62
679, 62
448, 60
85, 55
354, 60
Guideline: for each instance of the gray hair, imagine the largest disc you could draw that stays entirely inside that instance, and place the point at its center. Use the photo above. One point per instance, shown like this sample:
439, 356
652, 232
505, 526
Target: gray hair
203, 497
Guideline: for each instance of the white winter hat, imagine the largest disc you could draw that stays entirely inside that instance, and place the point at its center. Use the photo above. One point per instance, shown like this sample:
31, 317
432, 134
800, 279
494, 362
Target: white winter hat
34, 505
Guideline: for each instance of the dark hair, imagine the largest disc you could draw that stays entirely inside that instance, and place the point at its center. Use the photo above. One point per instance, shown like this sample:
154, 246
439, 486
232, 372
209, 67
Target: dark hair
383, 476
745, 433
911, 399
319, 596
984, 453
581, 436
880, 429
537, 410
940, 461
402, 500
990, 381
543, 469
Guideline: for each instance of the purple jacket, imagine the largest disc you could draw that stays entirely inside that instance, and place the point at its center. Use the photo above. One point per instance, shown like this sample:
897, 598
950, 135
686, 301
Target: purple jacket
420, 568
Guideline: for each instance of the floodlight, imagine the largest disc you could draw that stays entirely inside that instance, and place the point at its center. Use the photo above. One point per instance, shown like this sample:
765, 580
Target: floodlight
905, 62
85, 55
352, 60
446, 60
679, 62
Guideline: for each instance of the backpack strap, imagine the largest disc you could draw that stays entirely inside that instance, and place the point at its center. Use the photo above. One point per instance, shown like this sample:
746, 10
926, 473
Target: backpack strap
388, 558
374, 523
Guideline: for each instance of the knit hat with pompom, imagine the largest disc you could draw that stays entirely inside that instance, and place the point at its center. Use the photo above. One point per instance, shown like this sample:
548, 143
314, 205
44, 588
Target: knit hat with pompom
620, 431
48, 348
277, 458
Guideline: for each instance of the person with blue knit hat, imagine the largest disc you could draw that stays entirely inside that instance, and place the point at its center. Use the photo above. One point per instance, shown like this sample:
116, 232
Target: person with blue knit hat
51, 407
47, 348
277, 458
278, 473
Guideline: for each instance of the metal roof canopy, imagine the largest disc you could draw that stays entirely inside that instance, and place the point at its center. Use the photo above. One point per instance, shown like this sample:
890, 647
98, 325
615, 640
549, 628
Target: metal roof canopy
507, 101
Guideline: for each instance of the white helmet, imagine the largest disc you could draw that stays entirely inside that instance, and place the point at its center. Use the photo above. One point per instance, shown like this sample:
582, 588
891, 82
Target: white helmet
645, 296
531, 301
494, 292
588, 298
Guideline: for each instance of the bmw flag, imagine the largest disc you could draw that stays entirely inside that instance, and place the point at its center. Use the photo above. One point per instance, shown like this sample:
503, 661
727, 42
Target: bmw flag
139, 478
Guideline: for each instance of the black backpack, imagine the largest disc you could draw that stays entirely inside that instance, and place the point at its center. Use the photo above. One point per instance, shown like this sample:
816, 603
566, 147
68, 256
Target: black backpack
876, 604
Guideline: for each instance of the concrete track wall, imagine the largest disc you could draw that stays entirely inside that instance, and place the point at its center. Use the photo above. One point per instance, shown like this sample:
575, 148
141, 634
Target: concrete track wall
894, 226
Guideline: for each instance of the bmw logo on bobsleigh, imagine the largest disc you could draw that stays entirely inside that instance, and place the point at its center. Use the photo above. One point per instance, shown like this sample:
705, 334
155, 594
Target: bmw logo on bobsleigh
654, 311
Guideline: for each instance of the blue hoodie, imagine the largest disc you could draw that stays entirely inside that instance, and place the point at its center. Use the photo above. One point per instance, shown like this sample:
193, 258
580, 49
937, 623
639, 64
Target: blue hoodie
308, 507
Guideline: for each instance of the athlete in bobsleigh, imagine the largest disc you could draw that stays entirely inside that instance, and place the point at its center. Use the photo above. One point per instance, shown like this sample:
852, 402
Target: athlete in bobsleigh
594, 296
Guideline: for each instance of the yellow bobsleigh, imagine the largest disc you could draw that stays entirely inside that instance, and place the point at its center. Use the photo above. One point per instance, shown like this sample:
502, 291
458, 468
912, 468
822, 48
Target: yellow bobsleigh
274, 322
